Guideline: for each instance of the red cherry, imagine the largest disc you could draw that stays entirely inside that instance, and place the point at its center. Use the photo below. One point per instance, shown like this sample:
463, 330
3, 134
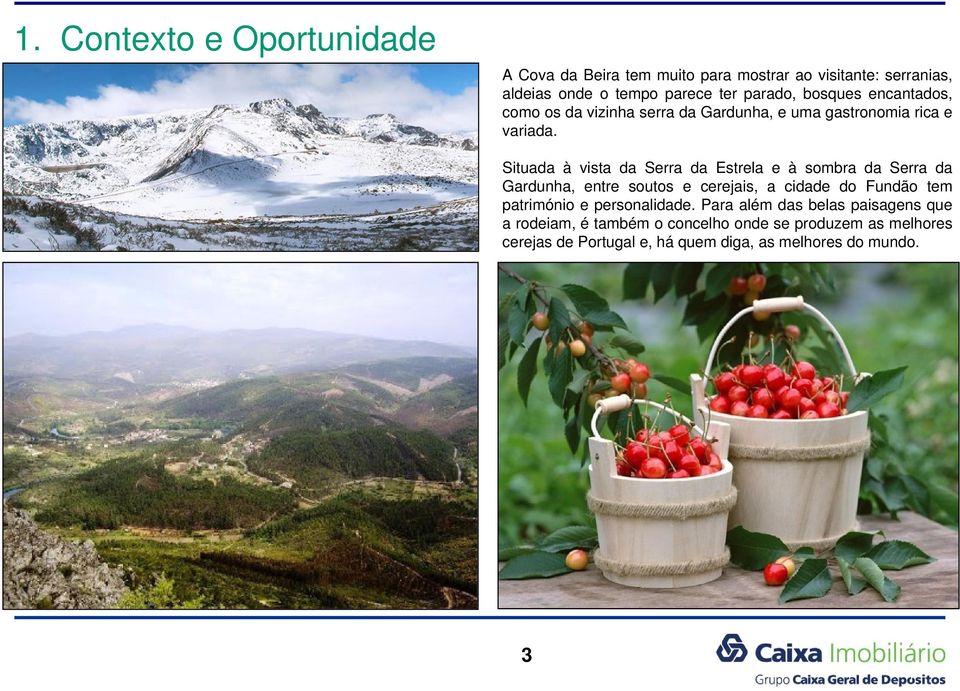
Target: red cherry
832, 397
806, 405
643, 436
828, 410
678, 474
804, 386
792, 332
738, 393
740, 409
804, 370
809, 415
713, 461
763, 397
707, 470
680, 434
623, 468
653, 468
828, 383
699, 448
775, 378
639, 373
789, 397
673, 453
737, 371
738, 286
844, 397
751, 375
656, 452
756, 283
781, 414
691, 464
620, 382
635, 454
757, 411
724, 381
775, 574
664, 436
720, 404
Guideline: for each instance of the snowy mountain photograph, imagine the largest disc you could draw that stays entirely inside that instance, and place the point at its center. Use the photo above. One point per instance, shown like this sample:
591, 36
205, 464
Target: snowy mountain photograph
240, 157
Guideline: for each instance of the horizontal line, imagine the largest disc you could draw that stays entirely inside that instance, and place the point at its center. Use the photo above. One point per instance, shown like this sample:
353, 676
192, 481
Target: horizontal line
484, 2
512, 617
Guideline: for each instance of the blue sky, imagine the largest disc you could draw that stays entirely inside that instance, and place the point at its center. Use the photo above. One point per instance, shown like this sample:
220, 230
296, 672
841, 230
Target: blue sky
406, 301
54, 82
57, 92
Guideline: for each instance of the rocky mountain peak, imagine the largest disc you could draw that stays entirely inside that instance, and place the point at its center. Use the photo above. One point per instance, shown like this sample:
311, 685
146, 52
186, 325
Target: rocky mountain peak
320, 122
271, 106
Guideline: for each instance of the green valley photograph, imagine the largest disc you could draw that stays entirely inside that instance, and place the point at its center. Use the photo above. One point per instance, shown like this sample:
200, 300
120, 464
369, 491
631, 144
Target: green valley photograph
240, 436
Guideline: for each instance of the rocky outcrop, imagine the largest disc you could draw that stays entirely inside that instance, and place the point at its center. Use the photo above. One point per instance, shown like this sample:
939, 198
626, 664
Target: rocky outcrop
42, 570
321, 122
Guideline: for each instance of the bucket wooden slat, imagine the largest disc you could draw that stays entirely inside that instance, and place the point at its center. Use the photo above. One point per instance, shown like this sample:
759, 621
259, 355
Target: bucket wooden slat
653, 552
790, 491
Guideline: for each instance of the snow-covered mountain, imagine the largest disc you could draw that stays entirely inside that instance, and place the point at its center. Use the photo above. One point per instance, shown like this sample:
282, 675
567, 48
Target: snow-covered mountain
266, 159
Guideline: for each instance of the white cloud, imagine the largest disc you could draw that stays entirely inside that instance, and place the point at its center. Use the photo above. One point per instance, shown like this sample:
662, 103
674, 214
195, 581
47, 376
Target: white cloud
340, 90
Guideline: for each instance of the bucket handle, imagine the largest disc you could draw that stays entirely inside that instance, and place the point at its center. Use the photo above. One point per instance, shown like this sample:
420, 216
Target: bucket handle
623, 401
782, 304
719, 432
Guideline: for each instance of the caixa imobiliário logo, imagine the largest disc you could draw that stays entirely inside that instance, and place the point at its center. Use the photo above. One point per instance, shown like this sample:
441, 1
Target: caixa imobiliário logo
733, 649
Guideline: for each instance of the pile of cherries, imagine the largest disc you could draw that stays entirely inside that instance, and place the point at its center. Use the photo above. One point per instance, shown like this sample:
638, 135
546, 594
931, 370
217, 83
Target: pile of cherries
671, 454
769, 391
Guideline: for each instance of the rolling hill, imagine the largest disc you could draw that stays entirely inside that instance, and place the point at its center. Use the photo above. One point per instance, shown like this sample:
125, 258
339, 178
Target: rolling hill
253, 468
154, 353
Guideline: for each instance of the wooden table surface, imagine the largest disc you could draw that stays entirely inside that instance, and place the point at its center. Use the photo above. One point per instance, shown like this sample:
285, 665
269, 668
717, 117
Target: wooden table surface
927, 586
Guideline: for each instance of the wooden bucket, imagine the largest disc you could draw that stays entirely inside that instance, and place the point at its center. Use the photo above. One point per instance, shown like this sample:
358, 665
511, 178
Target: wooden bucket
658, 533
797, 479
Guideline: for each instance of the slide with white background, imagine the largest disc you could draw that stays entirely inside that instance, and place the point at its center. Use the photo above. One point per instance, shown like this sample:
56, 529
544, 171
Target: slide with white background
288, 402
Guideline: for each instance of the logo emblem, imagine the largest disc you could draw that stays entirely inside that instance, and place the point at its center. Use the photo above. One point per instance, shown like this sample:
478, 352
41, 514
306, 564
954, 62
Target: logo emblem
732, 649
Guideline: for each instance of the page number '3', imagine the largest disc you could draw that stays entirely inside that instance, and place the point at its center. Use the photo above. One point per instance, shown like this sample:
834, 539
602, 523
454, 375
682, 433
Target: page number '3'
527, 655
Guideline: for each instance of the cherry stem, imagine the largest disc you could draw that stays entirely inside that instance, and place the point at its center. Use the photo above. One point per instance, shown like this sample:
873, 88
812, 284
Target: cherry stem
657, 418
790, 358
722, 346
706, 424
668, 401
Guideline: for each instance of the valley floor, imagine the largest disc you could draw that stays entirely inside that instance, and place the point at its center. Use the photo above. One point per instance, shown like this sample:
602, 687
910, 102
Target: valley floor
308, 560
345, 552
